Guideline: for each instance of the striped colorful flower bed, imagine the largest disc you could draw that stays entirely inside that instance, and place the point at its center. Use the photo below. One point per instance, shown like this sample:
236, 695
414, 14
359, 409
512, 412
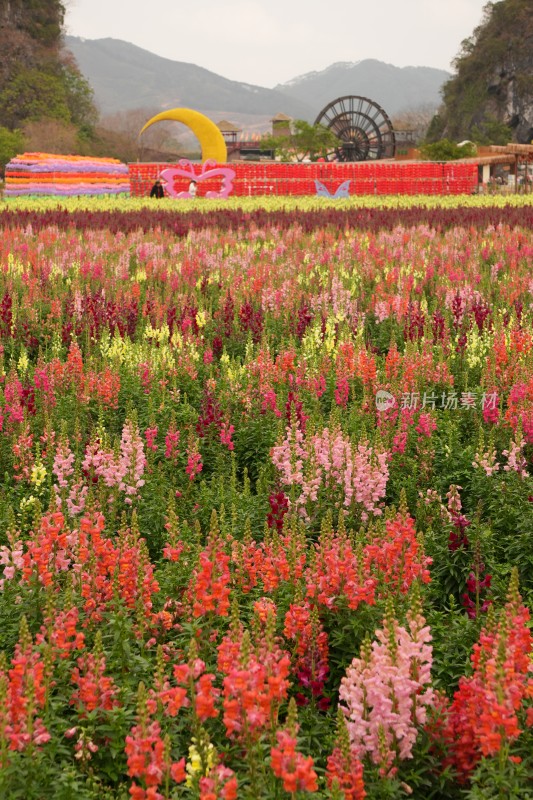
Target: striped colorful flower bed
64, 176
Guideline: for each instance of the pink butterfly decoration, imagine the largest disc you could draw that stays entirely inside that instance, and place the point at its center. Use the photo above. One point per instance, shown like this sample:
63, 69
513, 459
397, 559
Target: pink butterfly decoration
185, 169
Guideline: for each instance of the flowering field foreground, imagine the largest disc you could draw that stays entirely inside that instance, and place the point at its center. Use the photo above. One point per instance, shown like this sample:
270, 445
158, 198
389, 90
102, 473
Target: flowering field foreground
267, 502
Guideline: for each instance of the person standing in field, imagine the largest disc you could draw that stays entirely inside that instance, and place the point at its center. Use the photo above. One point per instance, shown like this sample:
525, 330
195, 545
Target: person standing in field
157, 190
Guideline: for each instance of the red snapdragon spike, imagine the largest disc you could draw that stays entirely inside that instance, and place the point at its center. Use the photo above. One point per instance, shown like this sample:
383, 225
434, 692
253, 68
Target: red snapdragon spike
458, 537
192, 679
254, 686
305, 317
6, 315
415, 322
22, 448
346, 772
217, 345
274, 561
337, 574
397, 559
24, 687
48, 552
295, 770
95, 690
194, 460
469, 605
251, 319
150, 435
210, 415
108, 570
210, 585
481, 313
483, 716
311, 652
342, 392
172, 439
62, 634
220, 784
145, 750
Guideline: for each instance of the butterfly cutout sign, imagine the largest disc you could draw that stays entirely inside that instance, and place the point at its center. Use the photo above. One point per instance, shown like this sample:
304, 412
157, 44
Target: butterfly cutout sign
342, 190
209, 170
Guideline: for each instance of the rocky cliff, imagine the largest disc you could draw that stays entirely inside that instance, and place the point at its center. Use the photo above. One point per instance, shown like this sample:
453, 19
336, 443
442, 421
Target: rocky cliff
490, 96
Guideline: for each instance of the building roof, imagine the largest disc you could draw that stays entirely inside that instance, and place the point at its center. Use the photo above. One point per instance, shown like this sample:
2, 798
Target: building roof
228, 127
514, 149
281, 118
497, 158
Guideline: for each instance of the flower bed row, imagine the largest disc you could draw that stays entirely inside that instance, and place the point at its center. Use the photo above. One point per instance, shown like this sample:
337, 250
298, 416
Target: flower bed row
267, 505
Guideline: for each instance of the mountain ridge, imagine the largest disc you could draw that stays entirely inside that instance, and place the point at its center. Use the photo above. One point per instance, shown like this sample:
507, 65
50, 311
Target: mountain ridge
126, 77
396, 89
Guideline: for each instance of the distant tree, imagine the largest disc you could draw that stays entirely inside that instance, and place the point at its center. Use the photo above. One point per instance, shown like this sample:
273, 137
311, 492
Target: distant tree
113, 144
445, 150
78, 93
436, 128
51, 136
304, 141
11, 144
416, 119
159, 142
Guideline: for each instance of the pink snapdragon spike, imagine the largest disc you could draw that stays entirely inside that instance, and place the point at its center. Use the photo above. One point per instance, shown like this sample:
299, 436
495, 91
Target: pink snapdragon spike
386, 692
209, 170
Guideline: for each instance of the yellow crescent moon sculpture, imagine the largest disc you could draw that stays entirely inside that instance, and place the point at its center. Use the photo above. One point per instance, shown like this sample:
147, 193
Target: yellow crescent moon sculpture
210, 138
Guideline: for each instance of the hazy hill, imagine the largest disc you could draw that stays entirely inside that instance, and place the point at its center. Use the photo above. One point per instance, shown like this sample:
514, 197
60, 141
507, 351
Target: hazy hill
395, 89
124, 76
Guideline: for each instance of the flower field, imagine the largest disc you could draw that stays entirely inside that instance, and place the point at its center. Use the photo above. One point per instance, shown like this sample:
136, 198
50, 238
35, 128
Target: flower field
267, 499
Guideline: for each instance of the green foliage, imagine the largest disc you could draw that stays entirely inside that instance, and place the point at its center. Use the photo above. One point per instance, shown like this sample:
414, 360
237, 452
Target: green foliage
305, 140
32, 94
501, 779
79, 98
436, 128
491, 131
11, 143
446, 150
39, 81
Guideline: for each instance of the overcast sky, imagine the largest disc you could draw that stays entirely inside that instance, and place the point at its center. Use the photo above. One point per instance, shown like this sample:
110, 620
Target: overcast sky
266, 42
